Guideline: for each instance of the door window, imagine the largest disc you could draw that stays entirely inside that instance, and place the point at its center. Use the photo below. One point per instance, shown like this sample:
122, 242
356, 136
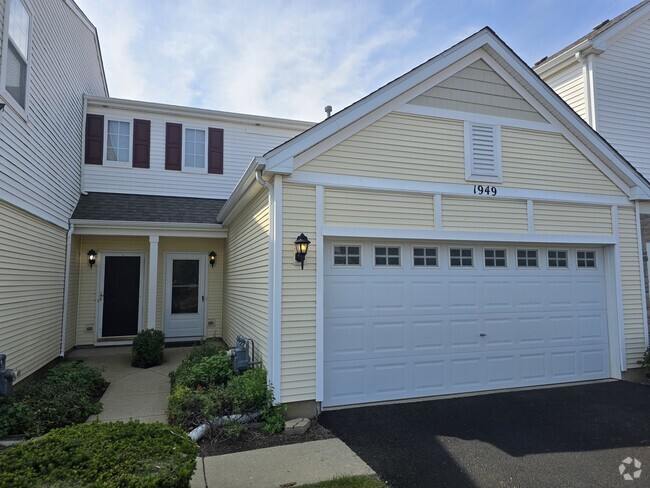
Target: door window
185, 286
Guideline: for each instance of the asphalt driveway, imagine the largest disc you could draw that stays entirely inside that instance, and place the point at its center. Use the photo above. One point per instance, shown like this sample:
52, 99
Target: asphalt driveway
572, 436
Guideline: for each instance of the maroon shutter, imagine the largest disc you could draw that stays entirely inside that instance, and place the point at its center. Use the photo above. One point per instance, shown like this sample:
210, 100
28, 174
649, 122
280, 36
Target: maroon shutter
141, 143
215, 151
94, 139
173, 146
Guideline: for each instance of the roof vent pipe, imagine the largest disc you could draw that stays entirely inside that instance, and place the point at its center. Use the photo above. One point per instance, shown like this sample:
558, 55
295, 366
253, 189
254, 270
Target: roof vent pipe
328, 111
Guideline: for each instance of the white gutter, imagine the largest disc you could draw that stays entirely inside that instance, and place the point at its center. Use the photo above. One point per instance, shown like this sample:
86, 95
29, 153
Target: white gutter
244, 184
66, 284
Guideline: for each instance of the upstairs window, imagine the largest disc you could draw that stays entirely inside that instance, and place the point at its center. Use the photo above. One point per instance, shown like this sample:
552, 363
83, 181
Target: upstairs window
195, 149
482, 152
17, 52
118, 141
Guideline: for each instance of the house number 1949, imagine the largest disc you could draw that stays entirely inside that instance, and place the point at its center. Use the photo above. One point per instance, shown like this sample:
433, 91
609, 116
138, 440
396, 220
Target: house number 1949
488, 191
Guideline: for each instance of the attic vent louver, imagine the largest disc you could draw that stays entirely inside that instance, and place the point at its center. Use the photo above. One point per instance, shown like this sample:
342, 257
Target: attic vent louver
482, 152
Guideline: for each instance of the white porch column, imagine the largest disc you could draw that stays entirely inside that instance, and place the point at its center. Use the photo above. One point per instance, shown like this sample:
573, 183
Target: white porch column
153, 281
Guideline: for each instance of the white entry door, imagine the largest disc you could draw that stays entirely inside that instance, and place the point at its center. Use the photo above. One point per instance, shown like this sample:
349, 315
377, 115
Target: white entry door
184, 295
406, 319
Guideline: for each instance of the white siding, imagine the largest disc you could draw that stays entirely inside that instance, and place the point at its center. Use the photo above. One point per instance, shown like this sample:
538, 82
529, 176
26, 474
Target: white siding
622, 87
32, 271
246, 277
241, 144
569, 83
40, 158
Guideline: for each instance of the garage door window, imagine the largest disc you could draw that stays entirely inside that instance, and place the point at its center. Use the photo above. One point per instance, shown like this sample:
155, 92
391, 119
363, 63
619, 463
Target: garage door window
558, 259
586, 259
527, 258
461, 258
425, 256
495, 258
347, 255
387, 256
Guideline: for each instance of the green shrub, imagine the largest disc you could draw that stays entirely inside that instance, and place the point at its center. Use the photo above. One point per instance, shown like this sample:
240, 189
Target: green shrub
205, 372
67, 395
189, 408
102, 455
249, 391
148, 347
204, 350
274, 418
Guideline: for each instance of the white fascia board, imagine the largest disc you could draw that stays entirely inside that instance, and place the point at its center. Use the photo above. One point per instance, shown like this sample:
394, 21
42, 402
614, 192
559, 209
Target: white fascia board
450, 189
562, 60
244, 184
133, 228
200, 113
429, 235
615, 160
363, 107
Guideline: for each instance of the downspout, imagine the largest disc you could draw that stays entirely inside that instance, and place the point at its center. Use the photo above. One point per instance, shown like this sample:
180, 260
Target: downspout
66, 284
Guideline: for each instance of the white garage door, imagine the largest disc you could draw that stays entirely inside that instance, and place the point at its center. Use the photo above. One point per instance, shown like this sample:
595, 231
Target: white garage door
405, 320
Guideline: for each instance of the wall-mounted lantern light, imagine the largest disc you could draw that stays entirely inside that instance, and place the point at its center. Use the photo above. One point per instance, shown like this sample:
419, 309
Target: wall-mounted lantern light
302, 245
213, 258
92, 257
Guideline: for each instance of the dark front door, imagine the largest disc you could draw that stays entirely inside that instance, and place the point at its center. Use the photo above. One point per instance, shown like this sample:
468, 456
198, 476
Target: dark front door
121, 296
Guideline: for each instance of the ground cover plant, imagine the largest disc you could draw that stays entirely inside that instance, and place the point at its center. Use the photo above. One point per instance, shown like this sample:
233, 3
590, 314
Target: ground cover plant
102, 455
68, 394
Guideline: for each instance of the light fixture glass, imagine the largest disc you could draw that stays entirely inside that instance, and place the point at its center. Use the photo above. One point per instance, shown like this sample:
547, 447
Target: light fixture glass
92, 257
213, 258
302, 246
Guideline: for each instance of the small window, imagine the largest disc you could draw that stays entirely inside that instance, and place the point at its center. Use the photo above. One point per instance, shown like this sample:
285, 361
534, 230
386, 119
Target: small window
195, 148
558, 259
17, 52
347, 255
495, 258
482, 152
425, 256
461, 258
527, 258
586, 259
387, 256
118, 135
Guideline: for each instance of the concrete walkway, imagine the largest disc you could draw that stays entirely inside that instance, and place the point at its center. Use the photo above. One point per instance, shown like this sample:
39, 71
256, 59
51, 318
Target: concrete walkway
134, 393
309, 462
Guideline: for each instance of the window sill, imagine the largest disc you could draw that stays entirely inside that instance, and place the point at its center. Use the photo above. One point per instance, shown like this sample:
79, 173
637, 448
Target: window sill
9, 101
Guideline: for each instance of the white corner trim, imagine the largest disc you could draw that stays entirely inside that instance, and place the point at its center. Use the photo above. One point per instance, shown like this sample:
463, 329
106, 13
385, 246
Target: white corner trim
66, 292
271, 288
152, 292
642, 273
320, 287
437, 211
530, 211
619, 288
276, 320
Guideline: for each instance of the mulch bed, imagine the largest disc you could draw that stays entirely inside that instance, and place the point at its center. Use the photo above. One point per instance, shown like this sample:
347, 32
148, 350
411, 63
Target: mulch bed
254, 439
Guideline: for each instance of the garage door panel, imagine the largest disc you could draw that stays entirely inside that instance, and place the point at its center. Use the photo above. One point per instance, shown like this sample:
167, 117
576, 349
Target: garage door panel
406, 332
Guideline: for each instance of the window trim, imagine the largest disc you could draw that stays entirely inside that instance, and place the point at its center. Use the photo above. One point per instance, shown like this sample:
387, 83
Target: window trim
4, 93
341, 244
505, 257
470, 175
117, 164
595, 266
567, 259
205, 130
461, 266
517, 249
387, 266
425, 265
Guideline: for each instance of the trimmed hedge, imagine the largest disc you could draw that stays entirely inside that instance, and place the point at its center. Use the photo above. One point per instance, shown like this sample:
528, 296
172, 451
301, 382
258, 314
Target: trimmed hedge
67, 395
102, 455
148, 348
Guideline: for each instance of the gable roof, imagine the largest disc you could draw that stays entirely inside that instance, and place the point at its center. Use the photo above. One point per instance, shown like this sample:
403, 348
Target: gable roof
595, 39
280, 160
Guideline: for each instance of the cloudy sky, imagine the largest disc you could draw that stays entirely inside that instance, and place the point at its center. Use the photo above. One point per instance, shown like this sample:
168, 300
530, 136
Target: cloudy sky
291, 58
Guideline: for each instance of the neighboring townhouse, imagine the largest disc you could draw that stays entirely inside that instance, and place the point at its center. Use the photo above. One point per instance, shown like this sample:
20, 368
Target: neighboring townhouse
147, 250
50, 58
468, 231
605, 77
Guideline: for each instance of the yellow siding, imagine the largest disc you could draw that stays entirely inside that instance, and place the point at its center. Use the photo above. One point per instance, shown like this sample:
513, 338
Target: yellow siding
375, 209
547, 161
214, 292
562, 218
298, 296
247, 275
418, 148
87, 306
631, 284
483, 214
73, 293
478, 89
32, 272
